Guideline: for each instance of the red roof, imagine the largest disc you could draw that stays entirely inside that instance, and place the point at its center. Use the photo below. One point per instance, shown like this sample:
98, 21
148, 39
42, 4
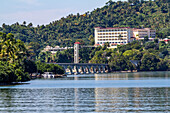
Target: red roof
97, 44
113, 44
166, 40
77, 43
113, 28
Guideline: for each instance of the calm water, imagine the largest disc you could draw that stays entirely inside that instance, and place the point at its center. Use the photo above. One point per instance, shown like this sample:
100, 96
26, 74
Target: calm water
145, 92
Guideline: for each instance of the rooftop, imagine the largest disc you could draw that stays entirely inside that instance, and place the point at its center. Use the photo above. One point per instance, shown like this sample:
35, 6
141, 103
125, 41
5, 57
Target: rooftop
77, 43
113, 27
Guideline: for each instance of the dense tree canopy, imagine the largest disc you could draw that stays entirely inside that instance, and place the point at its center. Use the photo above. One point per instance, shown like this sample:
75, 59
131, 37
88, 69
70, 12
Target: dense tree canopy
13, 53
64, 32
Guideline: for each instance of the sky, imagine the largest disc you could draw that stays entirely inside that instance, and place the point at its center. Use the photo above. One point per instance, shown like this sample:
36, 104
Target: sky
41, 12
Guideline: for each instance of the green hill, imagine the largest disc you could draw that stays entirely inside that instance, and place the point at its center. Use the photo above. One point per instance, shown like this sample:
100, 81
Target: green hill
66, 31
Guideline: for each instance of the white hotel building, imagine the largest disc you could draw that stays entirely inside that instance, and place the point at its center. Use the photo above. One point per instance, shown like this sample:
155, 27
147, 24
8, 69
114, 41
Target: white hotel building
120, 35
115, 36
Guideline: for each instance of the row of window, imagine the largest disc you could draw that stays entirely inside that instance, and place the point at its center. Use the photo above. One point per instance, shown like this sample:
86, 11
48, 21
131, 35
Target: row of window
142, 35
112, 42
112, 36
113, 30
112, 33
142, 31
109, 39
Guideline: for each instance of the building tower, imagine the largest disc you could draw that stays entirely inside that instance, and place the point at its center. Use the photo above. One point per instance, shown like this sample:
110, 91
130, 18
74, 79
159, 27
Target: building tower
76, 52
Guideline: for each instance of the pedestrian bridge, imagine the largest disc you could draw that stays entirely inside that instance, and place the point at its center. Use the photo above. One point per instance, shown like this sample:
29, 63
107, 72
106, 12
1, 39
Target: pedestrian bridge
84, 68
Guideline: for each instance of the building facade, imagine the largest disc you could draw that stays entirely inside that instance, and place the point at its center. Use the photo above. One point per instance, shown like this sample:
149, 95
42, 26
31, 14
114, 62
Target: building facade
114, 36
121, 35
55, 49
139, 34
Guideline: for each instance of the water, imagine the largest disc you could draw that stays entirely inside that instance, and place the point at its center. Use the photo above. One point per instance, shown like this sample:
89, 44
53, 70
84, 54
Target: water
144, 92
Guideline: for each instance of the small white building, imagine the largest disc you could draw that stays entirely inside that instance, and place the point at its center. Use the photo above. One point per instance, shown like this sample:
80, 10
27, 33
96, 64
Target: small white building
55, 49
139, 34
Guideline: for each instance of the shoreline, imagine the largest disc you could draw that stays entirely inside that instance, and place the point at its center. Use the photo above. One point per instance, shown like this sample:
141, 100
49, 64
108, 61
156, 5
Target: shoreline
60, 76
12, 84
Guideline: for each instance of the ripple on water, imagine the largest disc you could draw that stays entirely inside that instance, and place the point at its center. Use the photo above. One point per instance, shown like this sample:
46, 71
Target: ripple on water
85, 100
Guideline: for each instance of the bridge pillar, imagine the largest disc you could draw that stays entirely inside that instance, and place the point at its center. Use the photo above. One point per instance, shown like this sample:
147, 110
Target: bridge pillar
99, 69
103, 68
77, 68
89, 69
71, 69
81, 70
84, 69
94, 69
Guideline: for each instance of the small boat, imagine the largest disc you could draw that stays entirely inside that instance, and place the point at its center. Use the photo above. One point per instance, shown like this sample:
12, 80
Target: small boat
48, 75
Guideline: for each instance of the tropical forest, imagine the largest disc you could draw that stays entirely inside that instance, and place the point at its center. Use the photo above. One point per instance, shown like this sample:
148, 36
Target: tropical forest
21, 44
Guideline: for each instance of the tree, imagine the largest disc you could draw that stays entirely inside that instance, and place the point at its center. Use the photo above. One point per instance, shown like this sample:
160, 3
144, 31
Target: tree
146, 39
30, 66
149, 62
43, 67
133, 54
24, 22
30, 25
12, 55
156, 40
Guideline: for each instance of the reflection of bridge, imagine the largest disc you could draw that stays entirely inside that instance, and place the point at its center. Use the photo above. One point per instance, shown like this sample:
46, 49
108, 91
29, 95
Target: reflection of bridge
84, 68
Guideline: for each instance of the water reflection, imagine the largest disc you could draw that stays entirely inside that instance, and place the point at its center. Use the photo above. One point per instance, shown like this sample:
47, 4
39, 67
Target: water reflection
89, 93
85, 100
132, 76
132, 100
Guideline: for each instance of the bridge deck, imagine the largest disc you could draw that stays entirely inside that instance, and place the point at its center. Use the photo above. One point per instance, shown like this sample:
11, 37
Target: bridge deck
80, 64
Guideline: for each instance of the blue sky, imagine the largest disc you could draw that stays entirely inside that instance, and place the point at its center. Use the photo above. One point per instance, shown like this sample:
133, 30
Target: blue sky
43, 11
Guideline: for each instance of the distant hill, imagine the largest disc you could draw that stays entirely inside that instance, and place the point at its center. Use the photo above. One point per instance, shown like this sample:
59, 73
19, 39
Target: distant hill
66, 31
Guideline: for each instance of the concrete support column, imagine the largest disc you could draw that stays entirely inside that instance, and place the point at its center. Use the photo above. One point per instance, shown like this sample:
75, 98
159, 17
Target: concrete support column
99, 69
79, 70
84, 69
94, 69
89, 69
71, 70
104, 69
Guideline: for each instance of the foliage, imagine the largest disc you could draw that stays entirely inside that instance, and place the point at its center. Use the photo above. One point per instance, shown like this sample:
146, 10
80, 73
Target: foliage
30, 66
12, 55
149, 62
150, 56
43, 67
66, 31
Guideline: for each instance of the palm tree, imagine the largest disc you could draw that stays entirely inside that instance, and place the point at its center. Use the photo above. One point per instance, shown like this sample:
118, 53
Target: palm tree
7, 47
11, 50
21, 52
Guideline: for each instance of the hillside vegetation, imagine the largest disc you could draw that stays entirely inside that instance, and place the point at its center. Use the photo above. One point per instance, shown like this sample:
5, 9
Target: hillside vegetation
66, 31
